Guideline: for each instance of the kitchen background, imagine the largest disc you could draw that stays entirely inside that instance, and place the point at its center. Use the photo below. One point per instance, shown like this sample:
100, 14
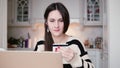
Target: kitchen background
29, 29
111, 31
36, 14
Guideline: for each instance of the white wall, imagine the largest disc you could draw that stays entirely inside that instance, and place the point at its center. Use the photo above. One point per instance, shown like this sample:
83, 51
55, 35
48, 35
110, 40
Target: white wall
75, 8
105, 36
114, 33
3, 24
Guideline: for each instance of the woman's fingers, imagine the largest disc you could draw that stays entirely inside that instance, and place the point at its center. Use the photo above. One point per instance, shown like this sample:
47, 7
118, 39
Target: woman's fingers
67, 53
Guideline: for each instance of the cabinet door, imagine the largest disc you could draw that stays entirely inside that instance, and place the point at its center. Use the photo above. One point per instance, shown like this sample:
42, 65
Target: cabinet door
95, 56
93, 12
20, 12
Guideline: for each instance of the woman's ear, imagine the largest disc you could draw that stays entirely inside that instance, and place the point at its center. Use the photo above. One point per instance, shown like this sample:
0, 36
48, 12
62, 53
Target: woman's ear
46, 23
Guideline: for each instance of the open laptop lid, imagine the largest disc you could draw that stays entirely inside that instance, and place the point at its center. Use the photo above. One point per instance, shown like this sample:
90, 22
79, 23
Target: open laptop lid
30, 59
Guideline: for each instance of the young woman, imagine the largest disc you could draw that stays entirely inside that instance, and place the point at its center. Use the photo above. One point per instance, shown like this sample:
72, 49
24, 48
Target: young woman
56, 24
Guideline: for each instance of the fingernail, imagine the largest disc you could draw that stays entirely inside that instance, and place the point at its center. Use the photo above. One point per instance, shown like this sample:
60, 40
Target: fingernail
56, 49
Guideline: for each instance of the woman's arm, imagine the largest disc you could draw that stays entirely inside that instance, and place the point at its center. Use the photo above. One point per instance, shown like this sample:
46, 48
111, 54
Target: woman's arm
80, 58
81, 61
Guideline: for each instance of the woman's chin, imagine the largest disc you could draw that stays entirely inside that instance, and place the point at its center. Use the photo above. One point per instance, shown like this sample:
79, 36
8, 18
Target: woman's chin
57, 34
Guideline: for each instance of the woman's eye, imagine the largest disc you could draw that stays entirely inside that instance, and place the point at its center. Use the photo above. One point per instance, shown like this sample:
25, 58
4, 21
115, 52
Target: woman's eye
60, 20
52, 20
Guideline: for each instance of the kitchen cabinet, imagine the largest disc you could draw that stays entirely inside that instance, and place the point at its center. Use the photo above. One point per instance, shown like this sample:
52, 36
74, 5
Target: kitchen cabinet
95, 56
93, 12
19, 12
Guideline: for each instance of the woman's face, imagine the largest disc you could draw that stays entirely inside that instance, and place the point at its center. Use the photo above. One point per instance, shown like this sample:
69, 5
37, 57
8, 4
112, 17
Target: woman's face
55, 23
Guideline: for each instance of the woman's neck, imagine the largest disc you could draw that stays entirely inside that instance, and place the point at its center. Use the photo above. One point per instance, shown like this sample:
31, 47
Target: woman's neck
60, 39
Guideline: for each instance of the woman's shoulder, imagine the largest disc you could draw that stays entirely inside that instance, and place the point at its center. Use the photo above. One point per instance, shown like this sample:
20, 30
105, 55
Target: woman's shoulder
74, 40
77, 42
40, 42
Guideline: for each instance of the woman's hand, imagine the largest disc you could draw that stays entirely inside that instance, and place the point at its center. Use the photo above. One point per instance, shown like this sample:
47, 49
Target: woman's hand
67, 53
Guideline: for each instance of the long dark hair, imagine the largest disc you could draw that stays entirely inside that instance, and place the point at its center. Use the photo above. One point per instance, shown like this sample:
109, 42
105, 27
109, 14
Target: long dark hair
65, 16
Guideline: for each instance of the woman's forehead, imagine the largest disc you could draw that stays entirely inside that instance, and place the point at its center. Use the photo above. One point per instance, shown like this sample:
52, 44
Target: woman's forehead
55, 14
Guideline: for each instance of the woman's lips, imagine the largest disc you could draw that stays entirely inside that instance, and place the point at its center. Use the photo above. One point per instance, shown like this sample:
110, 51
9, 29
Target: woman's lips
57, 30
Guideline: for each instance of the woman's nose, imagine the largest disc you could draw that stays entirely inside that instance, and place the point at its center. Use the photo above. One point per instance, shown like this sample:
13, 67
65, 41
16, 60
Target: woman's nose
56, 24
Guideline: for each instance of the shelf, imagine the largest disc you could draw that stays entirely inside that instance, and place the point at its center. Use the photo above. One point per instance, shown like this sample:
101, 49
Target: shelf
18, 24
20, 49
93, 24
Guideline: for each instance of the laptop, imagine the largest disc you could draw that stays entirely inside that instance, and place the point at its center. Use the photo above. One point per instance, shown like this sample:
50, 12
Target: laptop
30, 59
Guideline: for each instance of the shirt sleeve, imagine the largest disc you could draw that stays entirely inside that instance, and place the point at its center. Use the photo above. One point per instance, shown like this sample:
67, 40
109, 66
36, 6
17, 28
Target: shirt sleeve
81, 58
81, 61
